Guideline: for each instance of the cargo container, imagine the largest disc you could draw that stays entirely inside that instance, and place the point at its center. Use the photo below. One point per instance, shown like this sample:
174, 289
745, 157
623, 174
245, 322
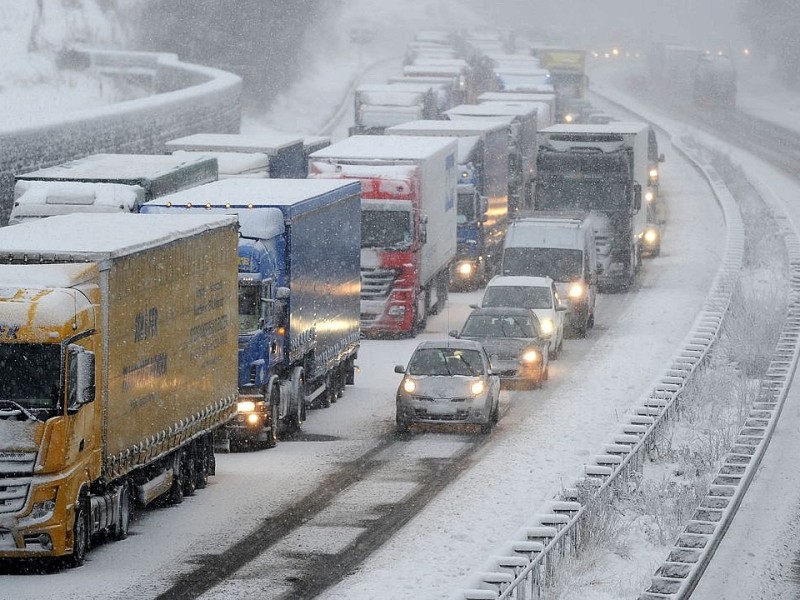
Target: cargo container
299, 281
408, 224
117, 366
106, 183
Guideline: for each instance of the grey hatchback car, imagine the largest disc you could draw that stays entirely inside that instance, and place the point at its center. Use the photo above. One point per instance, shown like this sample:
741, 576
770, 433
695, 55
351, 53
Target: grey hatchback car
448, 381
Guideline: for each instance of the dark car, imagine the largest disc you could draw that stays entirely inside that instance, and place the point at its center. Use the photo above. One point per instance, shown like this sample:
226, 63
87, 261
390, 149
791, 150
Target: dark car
513, 340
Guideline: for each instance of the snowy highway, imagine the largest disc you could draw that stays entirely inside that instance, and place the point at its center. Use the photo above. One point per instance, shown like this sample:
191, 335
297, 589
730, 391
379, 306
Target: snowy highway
417, 514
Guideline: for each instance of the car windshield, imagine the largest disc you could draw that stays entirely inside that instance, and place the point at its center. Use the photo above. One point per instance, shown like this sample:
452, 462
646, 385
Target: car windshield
466, 208
249, 308
30, 375
518, 296
499, 326
556, 263
446, 362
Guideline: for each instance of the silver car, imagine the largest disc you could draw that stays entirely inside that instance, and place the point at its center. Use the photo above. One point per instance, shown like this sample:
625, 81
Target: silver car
449, 381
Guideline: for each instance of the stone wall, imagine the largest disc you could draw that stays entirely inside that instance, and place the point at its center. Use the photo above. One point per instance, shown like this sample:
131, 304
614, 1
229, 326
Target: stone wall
186, 99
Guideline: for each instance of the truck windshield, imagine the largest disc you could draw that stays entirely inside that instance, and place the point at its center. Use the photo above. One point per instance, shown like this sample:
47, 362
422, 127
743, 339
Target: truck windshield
249, 307
386, 229
557, 263
30, 375
563, 193
466, 208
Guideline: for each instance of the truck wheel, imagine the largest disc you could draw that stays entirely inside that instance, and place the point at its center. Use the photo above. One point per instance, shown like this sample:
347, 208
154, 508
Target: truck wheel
274, 420
175, 494
190, 473
125, 512
350, 373
203, 462
80, 535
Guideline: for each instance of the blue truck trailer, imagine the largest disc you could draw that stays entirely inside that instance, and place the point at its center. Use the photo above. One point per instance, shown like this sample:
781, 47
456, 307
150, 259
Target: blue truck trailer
299, 294
482, 217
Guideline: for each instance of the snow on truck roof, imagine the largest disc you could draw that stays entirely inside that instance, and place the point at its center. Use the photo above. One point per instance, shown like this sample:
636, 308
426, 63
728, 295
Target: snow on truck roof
615, 127
290, 197
492, 109
96, 237
234, 142
115, 167
447, 128
231, 163
385, 147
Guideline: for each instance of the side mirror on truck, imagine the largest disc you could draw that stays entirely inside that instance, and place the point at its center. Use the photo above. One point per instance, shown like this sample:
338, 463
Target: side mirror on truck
423, 229
81, 384
637, 197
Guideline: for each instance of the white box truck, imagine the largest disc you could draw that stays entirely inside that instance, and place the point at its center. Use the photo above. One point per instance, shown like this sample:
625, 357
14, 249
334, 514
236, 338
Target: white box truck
408, 224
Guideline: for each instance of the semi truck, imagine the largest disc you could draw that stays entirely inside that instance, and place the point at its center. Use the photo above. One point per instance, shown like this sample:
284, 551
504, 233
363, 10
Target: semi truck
482, 207
117, 368
522, 147
602, 169
299, 280
560, 246
567, 68
106, 183
278, 156
408, 224
378, 106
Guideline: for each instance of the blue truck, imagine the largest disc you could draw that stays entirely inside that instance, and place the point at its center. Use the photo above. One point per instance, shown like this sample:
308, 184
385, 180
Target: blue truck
299, 294
482, 217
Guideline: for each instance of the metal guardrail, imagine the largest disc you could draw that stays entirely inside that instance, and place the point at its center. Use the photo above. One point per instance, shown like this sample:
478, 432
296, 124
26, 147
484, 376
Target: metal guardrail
524, 566
678, 576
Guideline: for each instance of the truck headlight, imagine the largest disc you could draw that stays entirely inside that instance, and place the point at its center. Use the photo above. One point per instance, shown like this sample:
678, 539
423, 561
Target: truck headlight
409, 386
649, 195
531, 356
568, 118
577, 290
465, 268
547, 326
43, 510
396, 311
246, 406
477, 388
653, 174
651, 236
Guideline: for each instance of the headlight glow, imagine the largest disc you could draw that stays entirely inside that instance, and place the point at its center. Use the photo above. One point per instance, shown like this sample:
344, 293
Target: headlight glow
653, 173
547, 326
530, 356
409, 386
465, 268
477, 388
252, 418
576, 290
246, 406
649, 196
651, 236
568, 118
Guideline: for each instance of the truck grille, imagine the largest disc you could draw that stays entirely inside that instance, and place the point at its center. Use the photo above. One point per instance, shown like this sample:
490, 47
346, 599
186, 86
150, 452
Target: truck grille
376, 284
16, 473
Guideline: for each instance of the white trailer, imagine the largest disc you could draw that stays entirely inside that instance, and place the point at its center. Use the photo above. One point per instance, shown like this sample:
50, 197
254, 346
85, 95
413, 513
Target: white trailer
408, 223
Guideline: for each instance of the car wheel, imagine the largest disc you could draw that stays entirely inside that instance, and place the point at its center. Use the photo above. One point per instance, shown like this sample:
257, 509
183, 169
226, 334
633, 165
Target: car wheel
401, 426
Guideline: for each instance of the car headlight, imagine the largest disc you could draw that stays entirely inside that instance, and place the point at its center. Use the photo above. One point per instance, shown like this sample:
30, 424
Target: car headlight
465, 268
577, 290
531, 356
651, 236
246, 406
409, 386
477, 388
547, 326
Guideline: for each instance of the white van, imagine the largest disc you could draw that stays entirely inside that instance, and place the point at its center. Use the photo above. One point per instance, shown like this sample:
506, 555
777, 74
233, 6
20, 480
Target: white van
562, 248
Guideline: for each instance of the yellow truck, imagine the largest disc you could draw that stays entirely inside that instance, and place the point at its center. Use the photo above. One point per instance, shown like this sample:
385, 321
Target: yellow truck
118, 357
